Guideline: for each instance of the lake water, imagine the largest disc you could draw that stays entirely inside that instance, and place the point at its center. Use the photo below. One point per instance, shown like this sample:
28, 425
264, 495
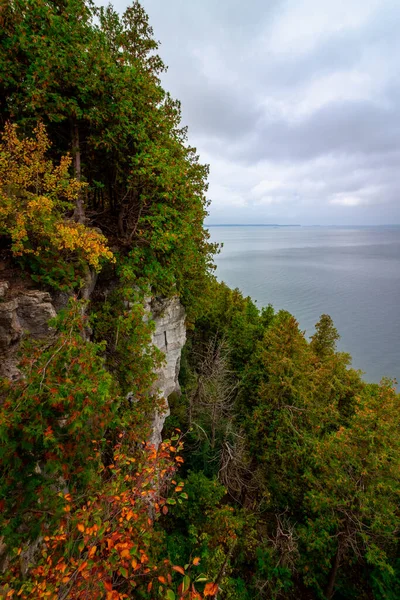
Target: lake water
352, 274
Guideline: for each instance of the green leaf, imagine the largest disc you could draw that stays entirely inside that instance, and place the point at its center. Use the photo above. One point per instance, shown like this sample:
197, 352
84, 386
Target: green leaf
185, 583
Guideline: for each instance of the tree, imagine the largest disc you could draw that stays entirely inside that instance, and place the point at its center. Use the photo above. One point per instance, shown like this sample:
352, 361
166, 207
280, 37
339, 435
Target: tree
323, 342
35, 199
353, 495
52, 51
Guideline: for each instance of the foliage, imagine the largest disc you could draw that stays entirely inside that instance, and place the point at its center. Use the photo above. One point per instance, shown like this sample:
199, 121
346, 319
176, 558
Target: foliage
106, 546
93, 78
323, 342
305, 450
48, 421
355, 470
35, 198
76, 475
122, 323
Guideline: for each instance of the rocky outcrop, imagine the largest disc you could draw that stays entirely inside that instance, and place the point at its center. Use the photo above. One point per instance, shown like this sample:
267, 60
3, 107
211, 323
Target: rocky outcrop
23, 313
169, 336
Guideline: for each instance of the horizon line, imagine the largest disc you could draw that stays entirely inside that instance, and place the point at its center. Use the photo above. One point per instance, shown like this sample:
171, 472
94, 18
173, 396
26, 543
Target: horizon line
294, 225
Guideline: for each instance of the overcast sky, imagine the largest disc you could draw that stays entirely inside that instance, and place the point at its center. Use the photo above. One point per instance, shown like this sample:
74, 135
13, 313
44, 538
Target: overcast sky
294, 103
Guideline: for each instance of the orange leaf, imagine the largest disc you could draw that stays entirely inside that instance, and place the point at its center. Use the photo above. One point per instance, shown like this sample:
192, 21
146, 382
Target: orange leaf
82, 566
196, 561
211, 589
179, 569
61, 566
92, 551
81, 527
162, 579
108, 586
134, 563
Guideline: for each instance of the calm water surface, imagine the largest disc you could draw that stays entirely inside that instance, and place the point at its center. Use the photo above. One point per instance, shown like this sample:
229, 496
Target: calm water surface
352, 274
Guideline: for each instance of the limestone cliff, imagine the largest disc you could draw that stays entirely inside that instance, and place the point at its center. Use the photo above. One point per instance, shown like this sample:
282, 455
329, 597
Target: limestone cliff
169, 336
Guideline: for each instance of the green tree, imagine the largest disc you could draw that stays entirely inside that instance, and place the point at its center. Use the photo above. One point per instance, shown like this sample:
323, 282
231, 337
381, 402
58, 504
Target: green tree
54, 60
354, 485
323, 342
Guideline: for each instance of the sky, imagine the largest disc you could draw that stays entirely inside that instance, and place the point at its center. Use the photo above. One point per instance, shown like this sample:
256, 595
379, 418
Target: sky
295, 104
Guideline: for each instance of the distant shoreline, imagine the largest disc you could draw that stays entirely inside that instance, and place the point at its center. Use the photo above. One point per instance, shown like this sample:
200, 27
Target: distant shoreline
248, 225
387, 225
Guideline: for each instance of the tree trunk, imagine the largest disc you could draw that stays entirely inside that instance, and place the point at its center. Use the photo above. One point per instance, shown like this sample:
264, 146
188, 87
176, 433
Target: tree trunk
330, 588
121, 216
79, 212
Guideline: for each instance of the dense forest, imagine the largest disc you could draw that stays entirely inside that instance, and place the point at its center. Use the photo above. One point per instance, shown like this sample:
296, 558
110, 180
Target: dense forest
279, 472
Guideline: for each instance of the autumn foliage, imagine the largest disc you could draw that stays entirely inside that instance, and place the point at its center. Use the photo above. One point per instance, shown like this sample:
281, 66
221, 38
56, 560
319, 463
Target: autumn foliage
106, 546
36, 198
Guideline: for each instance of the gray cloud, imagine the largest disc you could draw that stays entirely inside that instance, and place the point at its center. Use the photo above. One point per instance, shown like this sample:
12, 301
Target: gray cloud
350, 127
295, 104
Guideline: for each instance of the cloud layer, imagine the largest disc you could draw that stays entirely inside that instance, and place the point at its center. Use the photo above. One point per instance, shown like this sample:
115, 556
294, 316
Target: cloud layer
294, 103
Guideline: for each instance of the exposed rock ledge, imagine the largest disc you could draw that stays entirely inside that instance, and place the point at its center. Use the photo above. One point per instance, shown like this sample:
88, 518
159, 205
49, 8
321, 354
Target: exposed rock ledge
28, 312
170, 337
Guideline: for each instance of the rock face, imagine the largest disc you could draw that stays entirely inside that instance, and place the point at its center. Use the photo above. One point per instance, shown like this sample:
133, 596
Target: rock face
28, 312
169, 337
